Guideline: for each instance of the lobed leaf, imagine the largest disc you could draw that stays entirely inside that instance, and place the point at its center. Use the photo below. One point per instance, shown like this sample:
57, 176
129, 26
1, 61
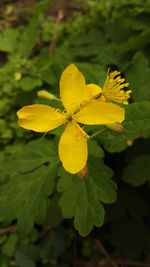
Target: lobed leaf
138, 75
25, 197
81, 199
138, 117
33, 155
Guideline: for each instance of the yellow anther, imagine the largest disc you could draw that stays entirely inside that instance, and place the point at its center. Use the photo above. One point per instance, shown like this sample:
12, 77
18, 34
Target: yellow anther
113, 89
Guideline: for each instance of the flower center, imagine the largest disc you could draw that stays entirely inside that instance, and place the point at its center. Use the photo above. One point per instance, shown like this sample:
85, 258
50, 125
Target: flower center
69, 118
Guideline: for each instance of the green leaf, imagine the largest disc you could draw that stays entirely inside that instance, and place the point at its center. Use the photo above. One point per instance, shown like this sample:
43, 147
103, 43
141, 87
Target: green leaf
136, 124
29, 38
33, 155
43, 66
25, 197
137, 173
112, 142
29, 83
138, 75
137, 116
40, 7
98, 76
8, 40
27, 255
10, 245
81, 198
54, 214
94, 149
135, 42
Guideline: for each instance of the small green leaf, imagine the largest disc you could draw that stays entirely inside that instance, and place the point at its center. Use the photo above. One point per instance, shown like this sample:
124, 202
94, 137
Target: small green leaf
81, 198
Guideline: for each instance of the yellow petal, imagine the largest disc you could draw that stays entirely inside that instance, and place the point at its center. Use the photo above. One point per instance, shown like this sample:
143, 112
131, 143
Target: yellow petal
73, 150
40, 118
72, 85
100, 113
92, 91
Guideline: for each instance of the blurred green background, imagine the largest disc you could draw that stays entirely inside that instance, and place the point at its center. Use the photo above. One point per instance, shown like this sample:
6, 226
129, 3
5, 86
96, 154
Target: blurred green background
38, 39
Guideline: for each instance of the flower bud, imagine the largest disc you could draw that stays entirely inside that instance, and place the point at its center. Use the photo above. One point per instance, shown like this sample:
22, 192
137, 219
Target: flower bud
116, 127
45, 94
81, 174
17, 76
130, 142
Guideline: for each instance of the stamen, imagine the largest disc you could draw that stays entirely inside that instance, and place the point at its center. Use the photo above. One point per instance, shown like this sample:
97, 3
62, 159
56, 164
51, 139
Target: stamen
113, 89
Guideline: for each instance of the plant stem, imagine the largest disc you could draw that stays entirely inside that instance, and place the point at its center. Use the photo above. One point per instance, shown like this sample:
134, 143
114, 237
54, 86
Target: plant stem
96, 133
105, 253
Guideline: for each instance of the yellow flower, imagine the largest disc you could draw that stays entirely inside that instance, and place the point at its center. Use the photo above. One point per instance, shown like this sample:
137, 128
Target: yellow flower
80, 107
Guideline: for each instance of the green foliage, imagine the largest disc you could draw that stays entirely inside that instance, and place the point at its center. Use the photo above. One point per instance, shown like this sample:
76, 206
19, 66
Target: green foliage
28, 196
27, 84
29, 38
138, 116
26, 256
137, 173
137, 122
30, 174
35, 154
128, 217
10, 245
8, 40
139, 82
84, 196
26, 193
36, 44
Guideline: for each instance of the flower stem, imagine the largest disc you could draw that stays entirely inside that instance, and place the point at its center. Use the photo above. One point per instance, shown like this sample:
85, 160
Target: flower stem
96, 133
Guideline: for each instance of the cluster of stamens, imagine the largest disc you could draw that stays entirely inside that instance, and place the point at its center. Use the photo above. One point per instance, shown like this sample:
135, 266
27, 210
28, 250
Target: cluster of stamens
113, 88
